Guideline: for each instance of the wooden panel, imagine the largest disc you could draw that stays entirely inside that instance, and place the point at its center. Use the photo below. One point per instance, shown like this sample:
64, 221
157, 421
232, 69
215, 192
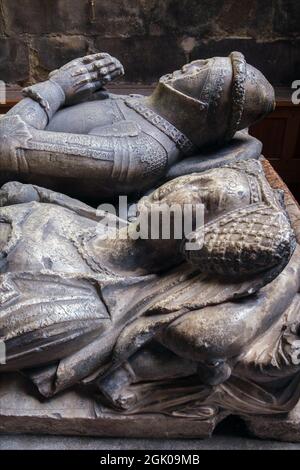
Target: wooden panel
289, 170
271, 133
280, 135
297, 155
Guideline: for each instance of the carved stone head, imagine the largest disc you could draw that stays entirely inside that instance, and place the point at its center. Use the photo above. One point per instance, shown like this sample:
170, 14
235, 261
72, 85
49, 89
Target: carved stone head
214, 98
245, 230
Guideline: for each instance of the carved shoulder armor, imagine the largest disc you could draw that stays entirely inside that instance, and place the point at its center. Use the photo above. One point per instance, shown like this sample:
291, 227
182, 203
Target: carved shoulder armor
14, 134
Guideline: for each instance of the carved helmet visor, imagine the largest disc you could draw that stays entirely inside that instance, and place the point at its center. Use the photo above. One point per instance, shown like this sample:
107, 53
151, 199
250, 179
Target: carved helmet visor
230, 93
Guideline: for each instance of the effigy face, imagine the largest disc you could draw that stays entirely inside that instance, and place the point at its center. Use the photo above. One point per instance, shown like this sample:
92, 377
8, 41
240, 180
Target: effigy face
143, 325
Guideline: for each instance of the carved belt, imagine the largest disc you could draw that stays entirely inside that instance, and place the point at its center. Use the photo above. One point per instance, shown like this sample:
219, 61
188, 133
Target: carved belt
182, 141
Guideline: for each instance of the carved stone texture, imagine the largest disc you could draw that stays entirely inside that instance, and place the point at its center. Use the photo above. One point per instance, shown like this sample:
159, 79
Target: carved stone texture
80, 412
282, 428
75, 413
15, 53
83, 307
89, 143
123, 332
266, 32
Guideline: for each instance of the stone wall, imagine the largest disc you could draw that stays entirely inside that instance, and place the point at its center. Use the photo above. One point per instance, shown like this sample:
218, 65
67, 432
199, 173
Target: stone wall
151, 37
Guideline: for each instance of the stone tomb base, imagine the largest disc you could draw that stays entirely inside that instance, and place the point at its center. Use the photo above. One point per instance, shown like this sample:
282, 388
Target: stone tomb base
73, 413
22, 410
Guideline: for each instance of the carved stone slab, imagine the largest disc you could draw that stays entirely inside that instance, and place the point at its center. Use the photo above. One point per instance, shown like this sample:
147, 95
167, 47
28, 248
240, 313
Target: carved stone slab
73, 413
281, 428
241, 147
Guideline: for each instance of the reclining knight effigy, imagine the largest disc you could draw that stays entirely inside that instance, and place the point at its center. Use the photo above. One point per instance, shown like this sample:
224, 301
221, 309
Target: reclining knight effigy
149, 325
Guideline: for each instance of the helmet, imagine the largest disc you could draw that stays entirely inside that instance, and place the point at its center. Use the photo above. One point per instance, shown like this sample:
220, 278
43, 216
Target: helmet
211, 99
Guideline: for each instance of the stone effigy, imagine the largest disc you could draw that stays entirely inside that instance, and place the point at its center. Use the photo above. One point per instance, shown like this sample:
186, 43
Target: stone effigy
70, 135
119, 330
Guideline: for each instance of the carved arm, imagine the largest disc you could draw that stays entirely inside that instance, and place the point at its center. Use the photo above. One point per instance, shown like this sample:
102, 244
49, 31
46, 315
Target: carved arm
76, 81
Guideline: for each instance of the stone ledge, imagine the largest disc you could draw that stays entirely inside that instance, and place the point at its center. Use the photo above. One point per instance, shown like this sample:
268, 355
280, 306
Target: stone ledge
73, 413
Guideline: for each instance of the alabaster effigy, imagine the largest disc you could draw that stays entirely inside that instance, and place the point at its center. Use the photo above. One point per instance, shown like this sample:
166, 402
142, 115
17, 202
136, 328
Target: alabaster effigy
111, 334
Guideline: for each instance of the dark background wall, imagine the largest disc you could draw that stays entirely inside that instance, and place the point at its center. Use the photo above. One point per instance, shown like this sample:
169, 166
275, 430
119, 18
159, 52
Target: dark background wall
150, 37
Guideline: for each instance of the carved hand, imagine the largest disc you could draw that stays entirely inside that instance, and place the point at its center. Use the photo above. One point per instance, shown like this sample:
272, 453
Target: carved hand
82, 77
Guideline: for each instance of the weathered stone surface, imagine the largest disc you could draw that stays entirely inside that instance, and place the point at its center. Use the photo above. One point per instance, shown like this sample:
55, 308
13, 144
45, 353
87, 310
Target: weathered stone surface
121, 18
14, 62
73, 413
287, 18
278, 60
246, 19
159, 32
53, 52
175, 347
206, 19
42, 16
242, 147
282, 428
74, 16
224, 441
183, 17
137, 55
